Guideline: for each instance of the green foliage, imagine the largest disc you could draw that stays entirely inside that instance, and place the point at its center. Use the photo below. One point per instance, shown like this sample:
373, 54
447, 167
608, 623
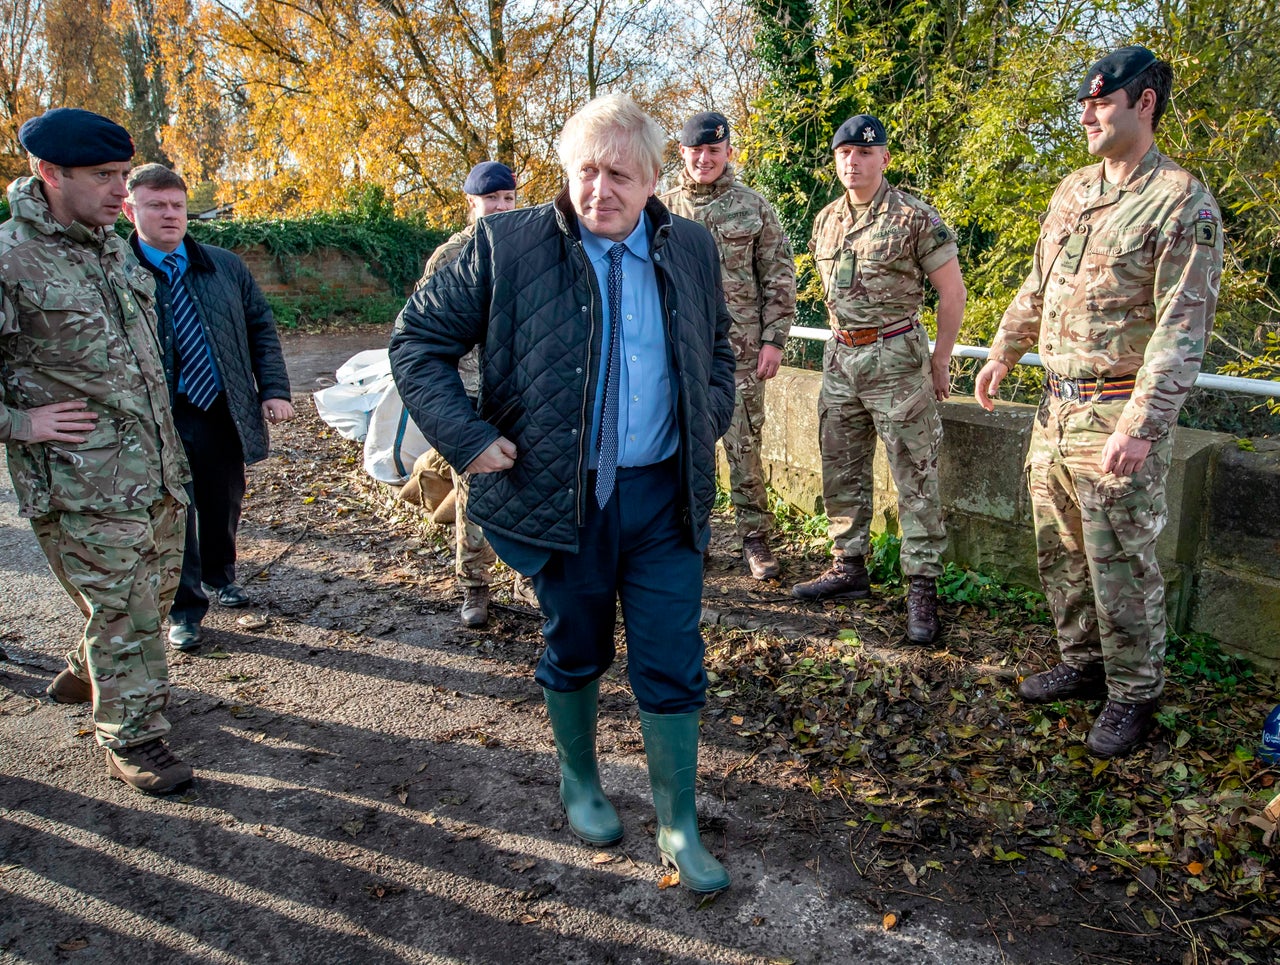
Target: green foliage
333, 307
395, 248
958, 585
791, 520
1196, 658
885, 564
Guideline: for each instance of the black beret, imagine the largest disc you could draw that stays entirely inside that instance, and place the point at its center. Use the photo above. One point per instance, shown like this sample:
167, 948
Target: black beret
72, 138
488, 177
1114, 71
707, 127
862, 130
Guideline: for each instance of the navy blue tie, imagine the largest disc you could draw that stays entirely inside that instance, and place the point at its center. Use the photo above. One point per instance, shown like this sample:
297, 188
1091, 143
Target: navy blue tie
607, 467
198, 379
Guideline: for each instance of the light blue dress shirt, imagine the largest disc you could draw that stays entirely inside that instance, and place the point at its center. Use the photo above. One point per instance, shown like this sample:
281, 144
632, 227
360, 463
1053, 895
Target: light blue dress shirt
647, 431
157, 257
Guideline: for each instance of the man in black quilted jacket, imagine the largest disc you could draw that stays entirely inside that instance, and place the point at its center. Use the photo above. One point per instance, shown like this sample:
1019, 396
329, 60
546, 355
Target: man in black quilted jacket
226, 377
606, 379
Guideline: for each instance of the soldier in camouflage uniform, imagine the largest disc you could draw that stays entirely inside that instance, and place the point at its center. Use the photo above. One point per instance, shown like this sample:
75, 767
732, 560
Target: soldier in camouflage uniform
490, 187
1121, 297
93, 453
758, 270
873, 247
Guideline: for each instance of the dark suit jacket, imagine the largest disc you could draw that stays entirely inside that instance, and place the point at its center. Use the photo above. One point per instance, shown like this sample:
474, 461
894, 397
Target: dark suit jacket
240, 329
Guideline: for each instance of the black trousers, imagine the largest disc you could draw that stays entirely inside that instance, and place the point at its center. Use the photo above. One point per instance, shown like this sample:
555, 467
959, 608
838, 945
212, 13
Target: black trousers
634, 550
217, 494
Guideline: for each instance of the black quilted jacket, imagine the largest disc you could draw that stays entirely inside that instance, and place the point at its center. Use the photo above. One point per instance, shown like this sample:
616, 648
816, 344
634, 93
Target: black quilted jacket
240, 328
525, 288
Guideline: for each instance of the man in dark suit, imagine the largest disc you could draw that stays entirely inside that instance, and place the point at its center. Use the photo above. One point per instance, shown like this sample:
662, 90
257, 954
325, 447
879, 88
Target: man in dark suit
606, 379
226, 376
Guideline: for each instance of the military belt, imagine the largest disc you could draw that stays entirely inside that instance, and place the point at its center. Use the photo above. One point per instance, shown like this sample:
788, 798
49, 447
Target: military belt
866, 336
1090, 390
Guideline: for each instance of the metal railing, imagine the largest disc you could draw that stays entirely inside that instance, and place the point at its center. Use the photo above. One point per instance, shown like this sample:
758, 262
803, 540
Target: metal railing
1223, 383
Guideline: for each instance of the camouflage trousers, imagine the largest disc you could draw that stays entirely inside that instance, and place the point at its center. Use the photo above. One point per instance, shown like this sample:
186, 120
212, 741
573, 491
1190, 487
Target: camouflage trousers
1096, 541
122, 570
882, 389
742, 451
473, 556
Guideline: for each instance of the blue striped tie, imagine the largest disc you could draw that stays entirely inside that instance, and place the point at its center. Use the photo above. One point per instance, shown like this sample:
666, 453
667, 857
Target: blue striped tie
607, 466
198, 380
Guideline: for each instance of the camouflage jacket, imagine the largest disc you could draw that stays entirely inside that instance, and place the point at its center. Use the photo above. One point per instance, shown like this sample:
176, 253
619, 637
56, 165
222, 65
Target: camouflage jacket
757, 266
1123, 282
77, 322
873, 265
469, 364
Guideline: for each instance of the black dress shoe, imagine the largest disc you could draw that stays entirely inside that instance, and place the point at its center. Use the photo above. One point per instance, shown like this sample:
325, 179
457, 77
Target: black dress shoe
232, 595
184, 636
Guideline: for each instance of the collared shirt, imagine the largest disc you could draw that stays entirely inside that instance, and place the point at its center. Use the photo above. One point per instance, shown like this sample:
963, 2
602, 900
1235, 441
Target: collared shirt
646, 398
157, 257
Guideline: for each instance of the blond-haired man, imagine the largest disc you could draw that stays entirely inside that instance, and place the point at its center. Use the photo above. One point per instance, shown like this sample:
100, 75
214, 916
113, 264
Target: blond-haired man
607, 379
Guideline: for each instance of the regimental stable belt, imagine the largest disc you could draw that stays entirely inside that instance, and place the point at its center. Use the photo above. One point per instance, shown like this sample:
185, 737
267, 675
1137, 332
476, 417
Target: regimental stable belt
1089, 390
866, 336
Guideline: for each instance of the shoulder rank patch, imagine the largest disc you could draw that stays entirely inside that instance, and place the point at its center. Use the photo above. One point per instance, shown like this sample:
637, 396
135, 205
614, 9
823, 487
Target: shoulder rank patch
1206, 228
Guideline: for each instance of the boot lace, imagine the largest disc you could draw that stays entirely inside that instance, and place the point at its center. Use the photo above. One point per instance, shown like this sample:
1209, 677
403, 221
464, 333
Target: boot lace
1115, 716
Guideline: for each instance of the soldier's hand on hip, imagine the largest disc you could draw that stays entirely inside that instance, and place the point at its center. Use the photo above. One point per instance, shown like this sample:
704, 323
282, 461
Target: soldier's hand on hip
769, 362
987, 384
277, 410
61, 422
940, 372
1124, 455
500, 455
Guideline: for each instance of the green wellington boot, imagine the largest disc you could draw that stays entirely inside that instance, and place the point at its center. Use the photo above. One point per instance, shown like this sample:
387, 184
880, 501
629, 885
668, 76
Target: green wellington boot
671, 744
573, 723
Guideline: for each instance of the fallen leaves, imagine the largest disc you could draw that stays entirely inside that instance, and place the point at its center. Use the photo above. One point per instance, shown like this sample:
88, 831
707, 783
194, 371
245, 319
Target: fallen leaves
940, 746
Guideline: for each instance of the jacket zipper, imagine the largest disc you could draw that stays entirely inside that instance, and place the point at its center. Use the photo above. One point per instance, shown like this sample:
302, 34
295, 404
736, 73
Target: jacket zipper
584, 421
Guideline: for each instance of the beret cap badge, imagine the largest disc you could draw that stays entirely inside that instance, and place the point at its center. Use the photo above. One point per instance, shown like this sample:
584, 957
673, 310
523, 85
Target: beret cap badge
1096, 85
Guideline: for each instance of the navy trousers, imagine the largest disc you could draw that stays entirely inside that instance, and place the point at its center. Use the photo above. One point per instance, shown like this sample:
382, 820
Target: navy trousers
634, 550
216, 491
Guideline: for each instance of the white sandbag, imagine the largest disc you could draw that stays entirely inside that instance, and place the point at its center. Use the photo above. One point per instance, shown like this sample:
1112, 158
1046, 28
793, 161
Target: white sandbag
363, 382
394, 441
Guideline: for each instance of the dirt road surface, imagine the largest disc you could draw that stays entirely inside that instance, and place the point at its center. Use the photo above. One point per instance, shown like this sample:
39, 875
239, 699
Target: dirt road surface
376, 784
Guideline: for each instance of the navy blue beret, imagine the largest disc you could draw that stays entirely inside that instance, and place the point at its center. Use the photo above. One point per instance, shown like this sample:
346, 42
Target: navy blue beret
862, 130
488, 177
707, 127
72, 138
1114, 71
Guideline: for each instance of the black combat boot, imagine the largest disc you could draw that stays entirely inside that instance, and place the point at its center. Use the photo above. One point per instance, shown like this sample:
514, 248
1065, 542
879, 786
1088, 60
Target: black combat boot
847, 579
923, 625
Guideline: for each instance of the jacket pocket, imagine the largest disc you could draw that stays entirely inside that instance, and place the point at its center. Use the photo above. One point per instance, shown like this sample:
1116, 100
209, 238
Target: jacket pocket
63, 326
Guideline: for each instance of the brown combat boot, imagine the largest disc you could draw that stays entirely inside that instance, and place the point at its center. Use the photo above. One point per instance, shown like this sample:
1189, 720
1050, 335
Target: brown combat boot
149, 768
760, 559
475, 606
1120, 727
67, 688
522, 591
923, 625
1064, 682
847, 579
